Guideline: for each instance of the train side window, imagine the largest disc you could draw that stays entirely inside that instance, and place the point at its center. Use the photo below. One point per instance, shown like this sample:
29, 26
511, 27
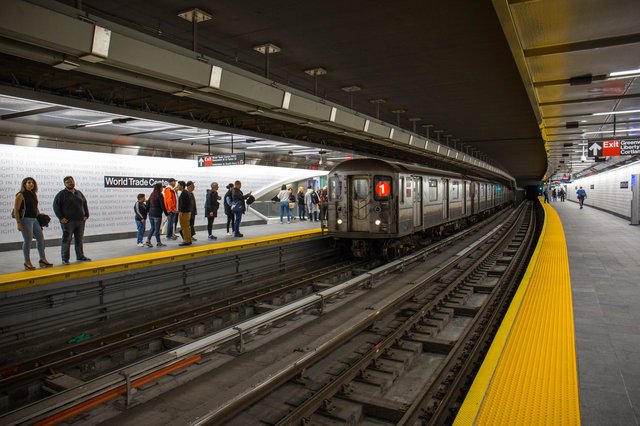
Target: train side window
401, 186
361, 188
381, 188
433, 190
335, 188
455, 190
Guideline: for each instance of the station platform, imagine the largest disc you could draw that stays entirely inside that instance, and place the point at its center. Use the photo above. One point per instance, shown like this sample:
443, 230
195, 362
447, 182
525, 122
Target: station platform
568, 350
117, 255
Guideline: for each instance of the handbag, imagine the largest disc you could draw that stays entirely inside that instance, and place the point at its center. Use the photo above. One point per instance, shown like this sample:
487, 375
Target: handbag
163, 227
43, 220
22, 209
292, 205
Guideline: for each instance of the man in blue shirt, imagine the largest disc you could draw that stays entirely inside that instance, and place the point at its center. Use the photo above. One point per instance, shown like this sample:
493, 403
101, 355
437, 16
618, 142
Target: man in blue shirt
582, 194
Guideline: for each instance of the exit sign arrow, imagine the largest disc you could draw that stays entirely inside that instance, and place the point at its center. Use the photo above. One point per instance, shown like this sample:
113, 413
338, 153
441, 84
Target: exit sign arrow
595, 148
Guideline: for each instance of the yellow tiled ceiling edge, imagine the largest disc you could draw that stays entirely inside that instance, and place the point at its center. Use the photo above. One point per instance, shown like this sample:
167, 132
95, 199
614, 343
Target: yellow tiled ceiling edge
43, 276
529, 376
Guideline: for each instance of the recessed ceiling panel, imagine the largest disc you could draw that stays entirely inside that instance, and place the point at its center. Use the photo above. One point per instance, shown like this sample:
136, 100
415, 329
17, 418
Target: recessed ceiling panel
562, 92
586, 108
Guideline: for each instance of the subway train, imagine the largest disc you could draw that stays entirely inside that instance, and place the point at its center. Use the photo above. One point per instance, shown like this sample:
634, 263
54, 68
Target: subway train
382, 208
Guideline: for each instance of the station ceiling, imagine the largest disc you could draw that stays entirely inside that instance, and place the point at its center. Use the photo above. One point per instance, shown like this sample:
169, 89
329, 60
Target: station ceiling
450, 66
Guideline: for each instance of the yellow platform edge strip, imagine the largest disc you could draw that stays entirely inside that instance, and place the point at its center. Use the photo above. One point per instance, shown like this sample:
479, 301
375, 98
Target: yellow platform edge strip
529, 375
21, 280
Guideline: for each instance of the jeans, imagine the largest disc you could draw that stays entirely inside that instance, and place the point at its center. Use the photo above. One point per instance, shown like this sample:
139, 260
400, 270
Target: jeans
171, 226
154, 228
284, 207
236, 223
301, 211
140, 225
31, 228
210, 224
230, 221
72, 229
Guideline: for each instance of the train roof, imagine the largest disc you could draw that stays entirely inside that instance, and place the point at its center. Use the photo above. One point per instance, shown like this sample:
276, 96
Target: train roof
369, 164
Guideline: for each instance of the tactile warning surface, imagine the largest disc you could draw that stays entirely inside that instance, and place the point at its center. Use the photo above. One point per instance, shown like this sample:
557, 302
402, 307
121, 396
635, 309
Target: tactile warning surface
529, 376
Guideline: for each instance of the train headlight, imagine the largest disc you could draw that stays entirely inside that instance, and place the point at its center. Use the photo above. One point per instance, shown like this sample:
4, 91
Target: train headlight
339, 221
377, 222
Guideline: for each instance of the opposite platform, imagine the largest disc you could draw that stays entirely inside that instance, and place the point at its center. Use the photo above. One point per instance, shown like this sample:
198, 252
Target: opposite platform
529, 374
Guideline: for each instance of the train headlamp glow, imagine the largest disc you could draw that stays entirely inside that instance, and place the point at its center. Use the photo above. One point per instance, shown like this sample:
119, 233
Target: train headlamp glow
377, 222
339, 221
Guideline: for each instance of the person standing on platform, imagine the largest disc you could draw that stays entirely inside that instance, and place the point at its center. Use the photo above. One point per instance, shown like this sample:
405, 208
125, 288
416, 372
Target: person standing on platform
324, 206
545, 192
140, 208
554, 195
194, 209
311, 201
171, 205
156, 207
227, 208
238, 207
184, 213
70, 207
562, 195
582, 194
283, 196
25, 211
301, 201
211, 206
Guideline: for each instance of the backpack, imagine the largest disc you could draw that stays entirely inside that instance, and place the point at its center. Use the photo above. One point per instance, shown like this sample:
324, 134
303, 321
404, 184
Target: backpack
314, 198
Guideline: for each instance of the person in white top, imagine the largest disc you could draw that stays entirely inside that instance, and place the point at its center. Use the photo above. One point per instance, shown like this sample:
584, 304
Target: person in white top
283, 196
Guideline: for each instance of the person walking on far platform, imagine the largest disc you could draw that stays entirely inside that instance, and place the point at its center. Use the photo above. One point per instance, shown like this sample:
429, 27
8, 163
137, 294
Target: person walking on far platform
211, 206
156, 207
562, 195
171, 204
582, 194
238, 207
227, 201
70, 207
545, 192
184, 213
25, 211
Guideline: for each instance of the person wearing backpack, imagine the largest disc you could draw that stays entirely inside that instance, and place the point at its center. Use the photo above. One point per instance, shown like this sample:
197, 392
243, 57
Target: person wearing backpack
238, 207
227, 208
25, 211
582, 194
311, 201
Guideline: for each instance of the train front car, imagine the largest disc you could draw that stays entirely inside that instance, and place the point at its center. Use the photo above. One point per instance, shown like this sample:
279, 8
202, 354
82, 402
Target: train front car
363, 203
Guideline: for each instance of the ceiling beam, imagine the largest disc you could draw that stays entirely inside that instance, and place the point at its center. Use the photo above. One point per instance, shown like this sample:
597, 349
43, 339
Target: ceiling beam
32, 112
582, 45
585, 100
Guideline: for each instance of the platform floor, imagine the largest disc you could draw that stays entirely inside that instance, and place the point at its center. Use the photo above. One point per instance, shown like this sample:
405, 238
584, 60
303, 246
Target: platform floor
11, 261
604, 254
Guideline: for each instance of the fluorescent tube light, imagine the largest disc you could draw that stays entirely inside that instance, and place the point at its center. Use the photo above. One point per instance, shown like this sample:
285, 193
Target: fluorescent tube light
621, 73
261, 146
631, 111
610, 131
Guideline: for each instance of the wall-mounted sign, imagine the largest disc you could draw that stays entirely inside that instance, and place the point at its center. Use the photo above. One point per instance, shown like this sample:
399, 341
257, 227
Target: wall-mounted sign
133, 181
592, 186
614, 147
220, 160
624, 185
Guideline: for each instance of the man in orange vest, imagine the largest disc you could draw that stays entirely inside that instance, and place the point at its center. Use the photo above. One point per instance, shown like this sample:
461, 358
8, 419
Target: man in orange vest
171, 204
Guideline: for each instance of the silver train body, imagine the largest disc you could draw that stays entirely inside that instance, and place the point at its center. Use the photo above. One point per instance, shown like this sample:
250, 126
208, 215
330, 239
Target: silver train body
375, 199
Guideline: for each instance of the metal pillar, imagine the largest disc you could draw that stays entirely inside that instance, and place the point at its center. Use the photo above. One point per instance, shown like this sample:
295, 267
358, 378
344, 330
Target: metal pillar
635, 199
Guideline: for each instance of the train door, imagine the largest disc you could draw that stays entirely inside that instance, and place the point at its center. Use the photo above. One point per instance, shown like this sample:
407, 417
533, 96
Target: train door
417, 201
445, 199
359, 200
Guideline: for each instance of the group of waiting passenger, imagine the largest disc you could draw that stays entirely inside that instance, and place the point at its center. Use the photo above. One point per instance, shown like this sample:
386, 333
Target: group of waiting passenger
176, 202
313, 204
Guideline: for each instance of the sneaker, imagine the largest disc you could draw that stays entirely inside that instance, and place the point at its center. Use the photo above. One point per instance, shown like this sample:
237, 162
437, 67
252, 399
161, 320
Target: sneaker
140, 245
184, 244
161, 245
238, 235
174, 237
194, 239
85, 258
65, 262
288, 221
148, 244
213, 237
229, 233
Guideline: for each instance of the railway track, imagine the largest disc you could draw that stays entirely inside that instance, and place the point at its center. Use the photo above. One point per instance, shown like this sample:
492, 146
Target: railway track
440, 301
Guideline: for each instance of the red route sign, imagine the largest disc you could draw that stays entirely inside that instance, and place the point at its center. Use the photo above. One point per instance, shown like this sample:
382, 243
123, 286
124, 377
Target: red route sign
611, 148
382, 189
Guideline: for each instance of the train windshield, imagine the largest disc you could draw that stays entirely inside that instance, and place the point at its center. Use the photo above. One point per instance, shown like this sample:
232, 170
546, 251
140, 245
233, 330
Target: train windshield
335, 188
382, 188
361, 188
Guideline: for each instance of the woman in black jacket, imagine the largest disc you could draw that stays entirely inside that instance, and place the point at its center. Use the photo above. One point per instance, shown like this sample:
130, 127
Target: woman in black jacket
228, 200
156, 208
211, 208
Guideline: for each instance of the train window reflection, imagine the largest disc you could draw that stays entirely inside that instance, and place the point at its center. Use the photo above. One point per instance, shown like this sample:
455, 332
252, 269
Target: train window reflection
361, 188
335, 188
433, 190
455, 190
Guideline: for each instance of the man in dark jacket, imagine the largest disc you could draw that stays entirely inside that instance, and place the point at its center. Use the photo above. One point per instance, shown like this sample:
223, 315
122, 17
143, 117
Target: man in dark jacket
184, 213
71, 209
194, 209
211, 206
238, 207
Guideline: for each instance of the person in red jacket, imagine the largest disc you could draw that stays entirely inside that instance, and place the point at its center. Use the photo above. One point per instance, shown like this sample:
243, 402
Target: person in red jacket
171, 204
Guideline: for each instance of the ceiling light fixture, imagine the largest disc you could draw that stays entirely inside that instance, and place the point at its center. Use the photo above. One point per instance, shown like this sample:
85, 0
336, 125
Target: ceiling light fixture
609, 131
621, 73
66, 65
182, 93
261, 146
631, 111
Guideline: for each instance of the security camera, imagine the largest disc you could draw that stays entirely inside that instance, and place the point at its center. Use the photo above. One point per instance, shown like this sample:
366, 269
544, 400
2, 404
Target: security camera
583, 159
